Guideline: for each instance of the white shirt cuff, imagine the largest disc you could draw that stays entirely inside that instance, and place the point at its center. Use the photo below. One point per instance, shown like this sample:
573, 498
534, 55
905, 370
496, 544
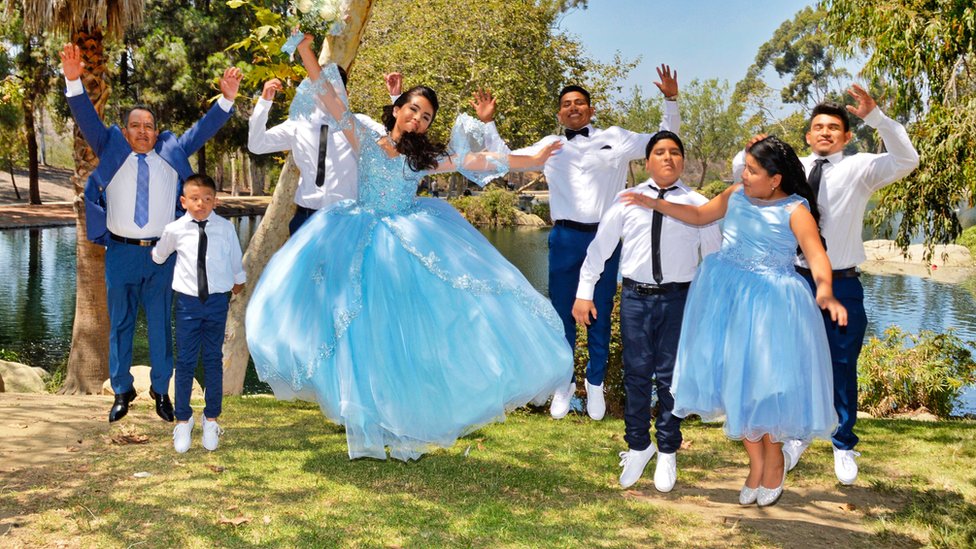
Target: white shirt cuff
585, 291
225, 103
874, 118
74, 87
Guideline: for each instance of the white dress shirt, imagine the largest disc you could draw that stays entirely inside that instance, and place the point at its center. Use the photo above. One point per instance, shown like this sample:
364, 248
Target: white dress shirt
224, 268
301, 137
682, 245
586, 175
120, 194
847, 183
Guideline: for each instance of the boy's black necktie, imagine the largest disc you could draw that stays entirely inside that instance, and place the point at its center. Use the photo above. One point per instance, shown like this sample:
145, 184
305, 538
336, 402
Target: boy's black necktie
203, 291
656, 220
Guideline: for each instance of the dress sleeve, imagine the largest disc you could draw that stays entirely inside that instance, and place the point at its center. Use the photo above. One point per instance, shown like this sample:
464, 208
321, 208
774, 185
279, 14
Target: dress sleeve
308, 99
469, 148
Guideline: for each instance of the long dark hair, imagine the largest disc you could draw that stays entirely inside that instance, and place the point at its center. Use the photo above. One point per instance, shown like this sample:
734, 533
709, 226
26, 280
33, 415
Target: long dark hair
421, 152
777, 157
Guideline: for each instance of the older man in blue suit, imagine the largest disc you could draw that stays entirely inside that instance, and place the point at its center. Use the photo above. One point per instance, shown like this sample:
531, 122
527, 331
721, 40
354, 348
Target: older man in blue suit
129, 198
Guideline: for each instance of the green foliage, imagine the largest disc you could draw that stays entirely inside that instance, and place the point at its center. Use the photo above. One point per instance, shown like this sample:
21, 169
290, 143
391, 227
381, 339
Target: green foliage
713, 189
904, 372
511, 47
613, 381
9, 355
541, 209
923, 53
968, 239
711, 124
55, 380
494, 207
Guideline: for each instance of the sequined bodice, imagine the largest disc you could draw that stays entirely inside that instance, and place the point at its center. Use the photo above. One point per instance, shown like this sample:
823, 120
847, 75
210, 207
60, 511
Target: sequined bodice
386, 185
756, 234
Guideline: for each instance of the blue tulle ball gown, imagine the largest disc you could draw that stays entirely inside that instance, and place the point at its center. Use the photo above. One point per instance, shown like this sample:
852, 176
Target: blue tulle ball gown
753, 349
401, 320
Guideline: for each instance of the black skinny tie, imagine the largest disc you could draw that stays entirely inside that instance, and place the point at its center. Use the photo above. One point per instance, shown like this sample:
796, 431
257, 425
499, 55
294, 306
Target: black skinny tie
203, 290
323, 149
656, 220
816, 174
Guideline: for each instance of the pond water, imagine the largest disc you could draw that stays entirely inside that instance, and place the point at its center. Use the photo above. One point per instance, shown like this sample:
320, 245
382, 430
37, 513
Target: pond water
37, 288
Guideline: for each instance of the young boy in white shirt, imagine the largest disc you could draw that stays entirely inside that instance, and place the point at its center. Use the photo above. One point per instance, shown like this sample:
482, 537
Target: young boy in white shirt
208, 270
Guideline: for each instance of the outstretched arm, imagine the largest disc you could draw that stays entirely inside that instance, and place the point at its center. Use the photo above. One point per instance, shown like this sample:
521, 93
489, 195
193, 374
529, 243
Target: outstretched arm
671, 118
90, 125
695, 215
805, 229
487, 161
260, 138
901, 157
218, 115
329, 100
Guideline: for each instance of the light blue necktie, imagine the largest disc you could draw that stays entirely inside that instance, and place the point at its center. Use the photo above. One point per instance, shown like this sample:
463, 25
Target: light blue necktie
142, 191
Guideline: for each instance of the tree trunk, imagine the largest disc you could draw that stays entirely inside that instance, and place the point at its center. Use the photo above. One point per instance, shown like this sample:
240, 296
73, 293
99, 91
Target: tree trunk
13, 180
273, 230
41, 137
701, 180
235, 185
33, 176
257, 177
88, 359
202, 160
219, 173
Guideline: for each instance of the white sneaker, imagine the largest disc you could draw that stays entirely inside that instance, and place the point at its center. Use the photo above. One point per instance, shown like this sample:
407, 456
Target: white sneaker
181, 436
844, 465
596, 406
633, 462
211, 434
793, 449
560, 401
666, 472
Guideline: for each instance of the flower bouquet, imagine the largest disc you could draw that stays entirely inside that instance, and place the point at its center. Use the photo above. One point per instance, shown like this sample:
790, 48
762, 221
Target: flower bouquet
318, 17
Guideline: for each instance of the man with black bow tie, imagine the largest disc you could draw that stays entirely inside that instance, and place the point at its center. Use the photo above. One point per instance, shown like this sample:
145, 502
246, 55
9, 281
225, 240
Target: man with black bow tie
584, 178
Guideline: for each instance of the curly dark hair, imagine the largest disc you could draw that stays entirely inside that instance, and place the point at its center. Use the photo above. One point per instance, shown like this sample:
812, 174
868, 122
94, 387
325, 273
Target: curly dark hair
777, 157
421, 152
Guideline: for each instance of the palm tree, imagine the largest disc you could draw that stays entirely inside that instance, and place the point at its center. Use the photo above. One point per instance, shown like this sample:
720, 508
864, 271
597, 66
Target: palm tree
88, 23
273, 230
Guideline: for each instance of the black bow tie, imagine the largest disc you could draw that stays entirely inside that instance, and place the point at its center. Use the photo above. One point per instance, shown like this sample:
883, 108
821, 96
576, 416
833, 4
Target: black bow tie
570, 134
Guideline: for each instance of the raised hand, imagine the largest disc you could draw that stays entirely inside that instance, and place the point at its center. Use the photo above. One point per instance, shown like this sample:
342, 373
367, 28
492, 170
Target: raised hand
271, 87
756, 139
231, 82
71, 62
669, 81
637, 199
394, 83
548, 151
865, 103
484, 105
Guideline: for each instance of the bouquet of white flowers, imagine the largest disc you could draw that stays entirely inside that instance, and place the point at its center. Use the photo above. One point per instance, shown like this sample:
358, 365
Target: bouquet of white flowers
318, 17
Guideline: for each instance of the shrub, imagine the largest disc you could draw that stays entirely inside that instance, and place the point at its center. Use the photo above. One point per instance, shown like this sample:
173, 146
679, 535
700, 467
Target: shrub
968, 239
713, 189
903, 372
495, 207
541, 209
613, 383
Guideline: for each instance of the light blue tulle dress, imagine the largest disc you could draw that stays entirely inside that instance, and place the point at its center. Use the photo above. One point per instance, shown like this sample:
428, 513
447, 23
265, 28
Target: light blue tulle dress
753, 347
401, 320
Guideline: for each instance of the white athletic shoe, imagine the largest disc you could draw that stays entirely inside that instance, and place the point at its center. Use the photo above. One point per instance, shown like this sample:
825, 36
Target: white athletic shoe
181, 436
211, 434
633, 462
560, 401
596, 406
845, 467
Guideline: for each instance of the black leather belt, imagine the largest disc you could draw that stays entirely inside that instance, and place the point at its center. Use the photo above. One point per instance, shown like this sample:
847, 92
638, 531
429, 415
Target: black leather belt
134, 241
307, 211
850, 272
570, 224
641, 288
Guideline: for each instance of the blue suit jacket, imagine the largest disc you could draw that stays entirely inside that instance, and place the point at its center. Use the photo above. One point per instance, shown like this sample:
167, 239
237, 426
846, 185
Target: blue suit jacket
112, 150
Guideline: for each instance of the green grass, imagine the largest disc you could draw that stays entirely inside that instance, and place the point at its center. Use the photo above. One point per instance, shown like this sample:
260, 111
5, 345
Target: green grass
529, 482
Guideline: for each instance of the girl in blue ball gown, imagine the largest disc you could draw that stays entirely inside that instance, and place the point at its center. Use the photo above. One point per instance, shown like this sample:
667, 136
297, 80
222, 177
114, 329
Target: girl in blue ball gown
753, 347
392, 312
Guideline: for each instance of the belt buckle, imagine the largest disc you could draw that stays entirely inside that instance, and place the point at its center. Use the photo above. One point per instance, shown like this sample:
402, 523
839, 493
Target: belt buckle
646, 289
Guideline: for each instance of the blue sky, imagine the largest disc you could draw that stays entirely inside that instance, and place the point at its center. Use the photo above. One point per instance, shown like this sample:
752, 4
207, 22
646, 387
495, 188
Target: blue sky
700, 38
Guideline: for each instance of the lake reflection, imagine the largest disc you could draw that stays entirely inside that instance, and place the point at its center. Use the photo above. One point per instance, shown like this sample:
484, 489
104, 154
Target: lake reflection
37, 288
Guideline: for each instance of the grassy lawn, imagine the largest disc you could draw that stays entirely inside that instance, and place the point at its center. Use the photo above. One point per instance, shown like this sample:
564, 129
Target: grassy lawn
283, 474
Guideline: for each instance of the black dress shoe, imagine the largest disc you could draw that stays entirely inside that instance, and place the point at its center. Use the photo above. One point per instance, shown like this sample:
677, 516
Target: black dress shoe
164, 408
121, 405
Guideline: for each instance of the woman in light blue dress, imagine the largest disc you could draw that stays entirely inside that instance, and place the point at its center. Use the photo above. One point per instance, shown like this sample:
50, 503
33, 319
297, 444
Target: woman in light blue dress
392, 312
753, 347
